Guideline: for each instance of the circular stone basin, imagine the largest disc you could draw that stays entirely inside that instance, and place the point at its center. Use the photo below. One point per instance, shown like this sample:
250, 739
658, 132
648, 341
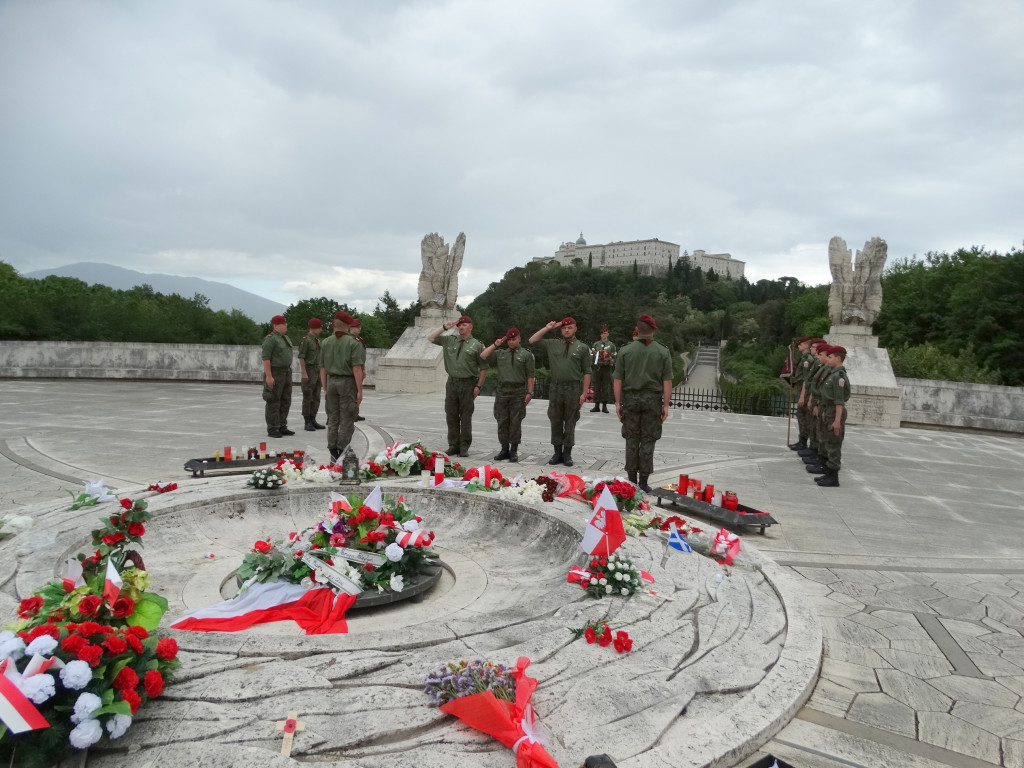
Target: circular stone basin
722, 657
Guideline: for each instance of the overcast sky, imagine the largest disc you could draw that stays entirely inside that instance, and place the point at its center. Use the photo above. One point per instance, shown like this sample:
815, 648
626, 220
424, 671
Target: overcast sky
301, 149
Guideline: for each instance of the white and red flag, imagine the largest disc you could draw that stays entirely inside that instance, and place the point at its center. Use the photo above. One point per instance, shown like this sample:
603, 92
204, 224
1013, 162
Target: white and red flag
604, 533
375, 500
111, 583
16, 711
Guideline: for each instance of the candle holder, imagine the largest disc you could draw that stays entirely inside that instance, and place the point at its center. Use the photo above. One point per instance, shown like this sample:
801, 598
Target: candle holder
350, 468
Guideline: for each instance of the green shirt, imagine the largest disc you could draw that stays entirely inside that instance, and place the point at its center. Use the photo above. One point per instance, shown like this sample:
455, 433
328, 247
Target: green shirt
814, 378
461, 358
608, 348
277, 348
514, 366
803, 367
567, 360
309, 350
644, 366
340, 353
835, 387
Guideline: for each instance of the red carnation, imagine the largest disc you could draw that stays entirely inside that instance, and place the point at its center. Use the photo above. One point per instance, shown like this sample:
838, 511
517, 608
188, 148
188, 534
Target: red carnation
154, 683
134, 643
91, 654
29, 607
133, 699
126, 680
167, 648
139, 632
122, 607
590, 634
261, 546
127, 503
44, 629
136, 529
115, 645
89, 606
73, 644
88, 628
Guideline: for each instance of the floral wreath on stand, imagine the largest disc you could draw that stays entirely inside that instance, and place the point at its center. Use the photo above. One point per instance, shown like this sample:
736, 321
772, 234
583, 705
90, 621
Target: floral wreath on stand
404, 459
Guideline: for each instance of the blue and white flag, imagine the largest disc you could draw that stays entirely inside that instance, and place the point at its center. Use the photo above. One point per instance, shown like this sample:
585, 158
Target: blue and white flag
676, 540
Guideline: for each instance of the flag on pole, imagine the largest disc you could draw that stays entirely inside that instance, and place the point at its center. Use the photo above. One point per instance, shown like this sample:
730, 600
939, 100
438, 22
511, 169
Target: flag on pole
111, 583
676, 540
605, 532
375, 500
787, 367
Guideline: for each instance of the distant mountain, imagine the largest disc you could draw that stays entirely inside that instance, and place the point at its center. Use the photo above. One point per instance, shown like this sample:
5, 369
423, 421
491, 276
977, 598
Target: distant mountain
221, 295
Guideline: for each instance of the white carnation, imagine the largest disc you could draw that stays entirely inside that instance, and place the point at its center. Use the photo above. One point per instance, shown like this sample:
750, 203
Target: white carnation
394, 552
607, 589
76, 675
38, 688
397, 582
603, 582
624, 591
87, 704
43, 644
117, 725
411, 526
12, 647
86, 734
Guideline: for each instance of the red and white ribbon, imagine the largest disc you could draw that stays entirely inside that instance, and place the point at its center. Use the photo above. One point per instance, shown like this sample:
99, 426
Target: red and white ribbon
414, 539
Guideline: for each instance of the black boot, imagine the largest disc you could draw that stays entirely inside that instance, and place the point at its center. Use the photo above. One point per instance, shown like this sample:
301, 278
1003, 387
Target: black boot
829, 480
567, 456
807, 451
556, 457
503, 454
316, 424
596, 408
464, 451
799, 445
359, 418
812, 459
335, 454
631, 475
643, 484
285, 432
453, 450
513, 452
816, 469
309, 424
604, 407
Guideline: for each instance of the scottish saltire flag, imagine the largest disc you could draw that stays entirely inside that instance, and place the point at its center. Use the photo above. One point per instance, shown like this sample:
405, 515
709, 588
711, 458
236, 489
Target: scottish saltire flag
676, 540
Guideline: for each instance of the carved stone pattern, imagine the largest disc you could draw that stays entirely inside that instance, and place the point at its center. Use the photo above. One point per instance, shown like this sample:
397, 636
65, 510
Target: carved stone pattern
856, 295
439, 280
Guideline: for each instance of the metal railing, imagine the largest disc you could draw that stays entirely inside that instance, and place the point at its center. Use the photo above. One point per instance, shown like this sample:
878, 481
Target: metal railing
736, 400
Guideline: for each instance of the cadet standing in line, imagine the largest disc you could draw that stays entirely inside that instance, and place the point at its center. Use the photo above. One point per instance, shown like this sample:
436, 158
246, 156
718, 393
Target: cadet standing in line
569, 362
807, 396
342, 367
799, 378
814, 456
835, 391
517, 375
277, 378
465, 378
354, 330
604, 364
643, 388
309, 363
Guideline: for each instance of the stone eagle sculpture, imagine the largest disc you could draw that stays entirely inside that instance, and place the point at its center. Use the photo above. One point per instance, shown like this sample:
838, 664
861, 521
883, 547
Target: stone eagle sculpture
856, 294
439, 280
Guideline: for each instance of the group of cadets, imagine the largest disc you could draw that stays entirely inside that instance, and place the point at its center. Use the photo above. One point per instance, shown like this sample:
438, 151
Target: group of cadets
824, 388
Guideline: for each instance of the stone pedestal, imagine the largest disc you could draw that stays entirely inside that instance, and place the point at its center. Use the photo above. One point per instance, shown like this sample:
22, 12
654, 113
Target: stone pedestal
414, 365
875, 395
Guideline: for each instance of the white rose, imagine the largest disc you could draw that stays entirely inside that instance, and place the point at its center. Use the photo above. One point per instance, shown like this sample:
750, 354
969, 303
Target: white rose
608, 589
393, 552
624, 591
603, 582
397, 583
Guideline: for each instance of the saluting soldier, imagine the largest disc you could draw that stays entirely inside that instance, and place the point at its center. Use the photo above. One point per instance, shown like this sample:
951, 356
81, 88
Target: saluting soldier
643, 388
355, 330
799, 382
604, 365
517, 375
835, 391
342, 368
277, 378
569, 361
465, 378
309, 363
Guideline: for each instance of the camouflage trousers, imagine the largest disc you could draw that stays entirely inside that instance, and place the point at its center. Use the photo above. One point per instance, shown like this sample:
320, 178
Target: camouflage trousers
509, 412
641, 427
603, 384
831, 443
341, 406
311, 396
564, 411
458, 410
803, 419
278, 400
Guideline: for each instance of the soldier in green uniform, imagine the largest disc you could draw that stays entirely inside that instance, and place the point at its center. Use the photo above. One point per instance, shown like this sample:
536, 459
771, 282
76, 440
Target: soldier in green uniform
309, 363
465, 378
277, 378
835, 391
342, 367
604, 364
517, 374
643, 387
812, 455
798, 381
354, 331
569, 361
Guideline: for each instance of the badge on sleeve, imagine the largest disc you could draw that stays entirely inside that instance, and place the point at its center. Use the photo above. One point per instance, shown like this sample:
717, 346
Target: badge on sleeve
842, 383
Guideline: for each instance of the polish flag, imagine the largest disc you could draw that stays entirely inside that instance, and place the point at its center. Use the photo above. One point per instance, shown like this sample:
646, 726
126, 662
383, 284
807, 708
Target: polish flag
17, 712
112, 583
604, 533
375, 500
438, 470
318, 611
339, 504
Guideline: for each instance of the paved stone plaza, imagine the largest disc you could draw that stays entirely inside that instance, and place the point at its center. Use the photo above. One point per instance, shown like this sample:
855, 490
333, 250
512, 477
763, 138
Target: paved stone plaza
914, 565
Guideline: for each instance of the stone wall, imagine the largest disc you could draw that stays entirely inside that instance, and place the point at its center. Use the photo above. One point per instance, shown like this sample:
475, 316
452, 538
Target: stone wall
958, 404
129, 360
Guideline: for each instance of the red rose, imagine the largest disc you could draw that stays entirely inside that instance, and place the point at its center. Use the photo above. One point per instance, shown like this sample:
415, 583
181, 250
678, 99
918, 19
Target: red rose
115, 645
133, 699
30, 606
113, 538
127, 503
136, 529
261, 546
122, 607
139, 632
369, 567
167, 648
154, 683
89, 606
90, 654
604, 561
590, 634
126, 680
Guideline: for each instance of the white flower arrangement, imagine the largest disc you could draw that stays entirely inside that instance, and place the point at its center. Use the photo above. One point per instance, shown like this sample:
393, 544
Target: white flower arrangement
266, 479
291, 471
528, 492
320, 475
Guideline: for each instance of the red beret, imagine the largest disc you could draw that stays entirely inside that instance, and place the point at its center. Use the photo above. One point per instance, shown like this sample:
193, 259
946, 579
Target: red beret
464, 319
802, 339
315, 323
356, 322
344, 316
837, 351
817, 342
604, 329
649, 321
278, 320
824, 348
512, 333
568, 321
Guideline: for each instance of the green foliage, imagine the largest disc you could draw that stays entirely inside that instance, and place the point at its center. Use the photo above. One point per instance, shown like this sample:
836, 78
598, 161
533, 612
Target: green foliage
927, 361
808, 312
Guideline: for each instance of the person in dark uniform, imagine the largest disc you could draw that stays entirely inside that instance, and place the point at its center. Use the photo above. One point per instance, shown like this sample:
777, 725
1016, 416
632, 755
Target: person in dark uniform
814, 455
643, 388
309, 364
604, 365
465, 378
355, 330
835, 391
517, 374
277, 378
801, 368
342, 367
569, 362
